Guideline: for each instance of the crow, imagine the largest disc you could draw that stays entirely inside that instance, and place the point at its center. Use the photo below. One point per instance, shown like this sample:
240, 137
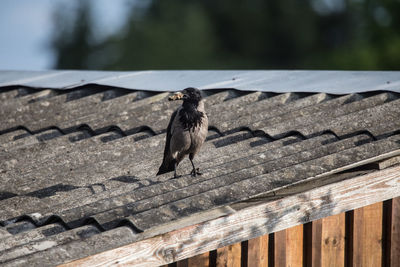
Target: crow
186, 132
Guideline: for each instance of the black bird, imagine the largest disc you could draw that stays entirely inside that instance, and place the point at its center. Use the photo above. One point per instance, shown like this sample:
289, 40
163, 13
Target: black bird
186, 132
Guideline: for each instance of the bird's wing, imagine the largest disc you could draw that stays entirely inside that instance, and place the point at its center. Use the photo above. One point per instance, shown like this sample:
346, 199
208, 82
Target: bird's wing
169, 134
167, 164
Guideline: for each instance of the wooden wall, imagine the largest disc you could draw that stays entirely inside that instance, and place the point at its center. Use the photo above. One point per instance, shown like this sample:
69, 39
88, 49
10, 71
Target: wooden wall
369, 236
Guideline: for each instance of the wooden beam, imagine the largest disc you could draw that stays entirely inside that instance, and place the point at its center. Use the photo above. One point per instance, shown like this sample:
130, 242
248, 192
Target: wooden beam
256, 220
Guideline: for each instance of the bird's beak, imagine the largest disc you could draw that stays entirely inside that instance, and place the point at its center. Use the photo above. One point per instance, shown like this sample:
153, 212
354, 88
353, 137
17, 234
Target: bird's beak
176, 96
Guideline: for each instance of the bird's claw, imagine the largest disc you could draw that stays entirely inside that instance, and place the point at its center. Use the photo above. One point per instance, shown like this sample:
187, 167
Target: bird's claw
195, 172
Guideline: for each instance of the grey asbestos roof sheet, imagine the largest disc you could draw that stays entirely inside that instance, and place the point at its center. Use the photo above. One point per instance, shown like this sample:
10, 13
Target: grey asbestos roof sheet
77, 167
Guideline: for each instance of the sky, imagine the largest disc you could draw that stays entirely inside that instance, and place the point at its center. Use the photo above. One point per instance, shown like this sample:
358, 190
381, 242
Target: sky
26, 27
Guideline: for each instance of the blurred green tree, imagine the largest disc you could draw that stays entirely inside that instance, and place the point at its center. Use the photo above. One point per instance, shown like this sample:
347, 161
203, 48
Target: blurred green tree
374, 38
238, 34
72, 37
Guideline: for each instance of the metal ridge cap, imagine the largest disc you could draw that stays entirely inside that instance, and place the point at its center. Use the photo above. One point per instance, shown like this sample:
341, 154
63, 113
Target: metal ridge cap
324, 81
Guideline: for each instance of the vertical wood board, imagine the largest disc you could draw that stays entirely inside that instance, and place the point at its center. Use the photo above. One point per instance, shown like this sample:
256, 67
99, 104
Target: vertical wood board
333, 241
229, 256
367, 236
258, 251
395, 233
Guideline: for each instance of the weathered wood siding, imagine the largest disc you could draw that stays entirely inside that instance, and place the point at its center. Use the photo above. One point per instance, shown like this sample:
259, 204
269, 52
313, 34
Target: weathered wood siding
368, 236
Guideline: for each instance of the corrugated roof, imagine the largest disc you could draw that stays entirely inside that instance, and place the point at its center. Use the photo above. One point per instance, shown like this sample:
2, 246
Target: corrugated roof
334, 82
78, 166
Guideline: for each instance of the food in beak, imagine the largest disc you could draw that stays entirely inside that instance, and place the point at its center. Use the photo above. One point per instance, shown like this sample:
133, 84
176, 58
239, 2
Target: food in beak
176, 96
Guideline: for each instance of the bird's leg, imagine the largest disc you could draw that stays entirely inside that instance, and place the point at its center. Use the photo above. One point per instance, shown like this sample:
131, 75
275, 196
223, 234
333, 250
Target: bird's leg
194, 170
193, 173
175, 165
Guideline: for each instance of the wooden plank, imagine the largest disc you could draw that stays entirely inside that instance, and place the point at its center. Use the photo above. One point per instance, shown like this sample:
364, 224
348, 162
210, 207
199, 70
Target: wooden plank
294, 246
357, 253
367, 237
289, 247
373, 218
316, 243
258, 251
201, 260
280, 248
333, 240
182, 263
388, 163
253, 221
395, 233
229, 256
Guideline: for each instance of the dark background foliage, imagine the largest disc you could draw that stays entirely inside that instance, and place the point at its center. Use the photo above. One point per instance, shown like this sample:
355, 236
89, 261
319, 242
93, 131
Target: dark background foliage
236, 34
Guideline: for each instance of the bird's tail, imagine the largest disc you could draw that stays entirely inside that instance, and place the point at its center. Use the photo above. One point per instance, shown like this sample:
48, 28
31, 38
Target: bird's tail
166, 166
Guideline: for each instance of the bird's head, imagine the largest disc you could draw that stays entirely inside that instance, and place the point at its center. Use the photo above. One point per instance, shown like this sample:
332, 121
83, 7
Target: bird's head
187, 95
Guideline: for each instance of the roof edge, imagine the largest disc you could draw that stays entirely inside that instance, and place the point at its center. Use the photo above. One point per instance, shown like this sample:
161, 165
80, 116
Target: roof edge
253, 221
321, 81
